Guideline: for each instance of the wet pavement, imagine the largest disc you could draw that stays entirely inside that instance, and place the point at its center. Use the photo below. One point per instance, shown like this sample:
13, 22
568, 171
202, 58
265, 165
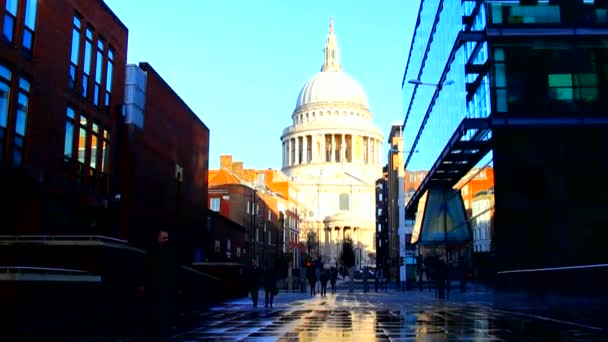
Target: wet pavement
383, 316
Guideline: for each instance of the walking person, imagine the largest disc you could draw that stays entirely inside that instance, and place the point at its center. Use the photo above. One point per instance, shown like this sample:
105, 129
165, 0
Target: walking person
377, 280
312, 281
270, 286
333, 277
364, 276
253, 281
419, 271
323, 278
160, 288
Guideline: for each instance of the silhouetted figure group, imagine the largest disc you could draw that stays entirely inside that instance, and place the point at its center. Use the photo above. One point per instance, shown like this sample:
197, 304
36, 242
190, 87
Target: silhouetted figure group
268, 278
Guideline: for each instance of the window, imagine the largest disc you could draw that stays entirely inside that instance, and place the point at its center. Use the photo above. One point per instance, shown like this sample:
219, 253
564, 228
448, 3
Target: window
228, 246
238, 252
98, 72
75, 56
248, 205
69, 134
257, 234
344, 202
105, 152
10, 15
88, 47
30, 25
215, 204
500, 80
217, 246
94, 143
269, 214
560, 87
82, 139
21, 121
5, 79
269, 238
586, 87
109, 69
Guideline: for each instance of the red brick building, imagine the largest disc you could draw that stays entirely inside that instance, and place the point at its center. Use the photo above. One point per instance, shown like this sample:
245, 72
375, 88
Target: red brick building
61, 83
81, 183
62, 71
164, 157
262, 202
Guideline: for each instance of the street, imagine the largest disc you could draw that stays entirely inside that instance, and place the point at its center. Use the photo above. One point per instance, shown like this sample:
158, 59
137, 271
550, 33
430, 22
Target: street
391, 315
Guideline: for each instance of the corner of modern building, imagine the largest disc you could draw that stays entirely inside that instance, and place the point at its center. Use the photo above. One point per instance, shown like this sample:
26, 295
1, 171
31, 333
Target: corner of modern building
518, 88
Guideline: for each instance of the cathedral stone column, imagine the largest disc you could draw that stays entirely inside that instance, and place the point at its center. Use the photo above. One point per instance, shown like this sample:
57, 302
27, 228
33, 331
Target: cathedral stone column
373, 145
378, 151
323, 148
333, 148
343, 148
289, 153
304, 150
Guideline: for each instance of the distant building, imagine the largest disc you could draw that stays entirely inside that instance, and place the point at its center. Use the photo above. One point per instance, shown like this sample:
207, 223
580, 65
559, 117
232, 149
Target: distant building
332, 153
383, 257
264, 202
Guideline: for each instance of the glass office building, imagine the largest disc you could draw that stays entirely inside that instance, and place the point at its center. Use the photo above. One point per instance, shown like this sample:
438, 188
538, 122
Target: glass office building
520, 87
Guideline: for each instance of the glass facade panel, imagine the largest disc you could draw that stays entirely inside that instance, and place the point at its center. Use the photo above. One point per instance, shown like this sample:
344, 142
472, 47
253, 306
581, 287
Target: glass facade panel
551, 79
428, 134
553, 13
420, 41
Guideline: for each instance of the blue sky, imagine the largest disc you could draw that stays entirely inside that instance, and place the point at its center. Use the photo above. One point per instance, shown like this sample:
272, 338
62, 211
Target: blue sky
240, 65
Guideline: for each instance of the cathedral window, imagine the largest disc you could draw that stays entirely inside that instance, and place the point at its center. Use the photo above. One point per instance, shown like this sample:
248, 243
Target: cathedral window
344, 202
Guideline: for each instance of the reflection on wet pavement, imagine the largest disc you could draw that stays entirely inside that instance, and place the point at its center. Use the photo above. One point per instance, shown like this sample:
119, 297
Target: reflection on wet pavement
379, 317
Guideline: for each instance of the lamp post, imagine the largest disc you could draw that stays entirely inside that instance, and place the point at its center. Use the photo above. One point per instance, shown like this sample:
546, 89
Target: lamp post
398, 222
418, 82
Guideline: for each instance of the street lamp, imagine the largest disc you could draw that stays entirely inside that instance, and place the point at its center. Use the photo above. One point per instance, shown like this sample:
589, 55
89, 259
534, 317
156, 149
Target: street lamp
418, 82
396, 150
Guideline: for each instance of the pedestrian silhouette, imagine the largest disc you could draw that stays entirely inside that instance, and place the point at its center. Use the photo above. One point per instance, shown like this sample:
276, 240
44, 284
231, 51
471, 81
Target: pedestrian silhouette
324, 277
333, 277
364, 276
160, 288
253, 280
270, 286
